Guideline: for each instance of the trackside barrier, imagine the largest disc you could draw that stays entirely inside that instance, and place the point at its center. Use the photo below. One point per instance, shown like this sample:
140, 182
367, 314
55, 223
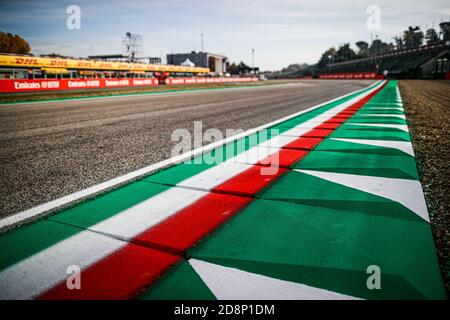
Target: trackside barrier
358, 75
22, 85
207, 80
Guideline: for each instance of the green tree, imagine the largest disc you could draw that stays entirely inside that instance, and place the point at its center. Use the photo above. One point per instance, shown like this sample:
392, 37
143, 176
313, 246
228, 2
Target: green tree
432, 36
10, 43
233, 68
413, 37
398, 43
327, 57
363, 49
445, 30
379, 47
345, 53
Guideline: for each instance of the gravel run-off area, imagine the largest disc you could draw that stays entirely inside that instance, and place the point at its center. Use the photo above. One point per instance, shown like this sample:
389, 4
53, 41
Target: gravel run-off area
427, 108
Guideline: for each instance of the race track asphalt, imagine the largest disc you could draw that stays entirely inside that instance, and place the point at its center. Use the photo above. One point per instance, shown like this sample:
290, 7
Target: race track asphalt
52, 149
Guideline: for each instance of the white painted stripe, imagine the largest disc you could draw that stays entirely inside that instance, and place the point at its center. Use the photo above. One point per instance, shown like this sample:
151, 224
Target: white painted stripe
233, 284
404, 191
402, 127
124, 225
48, 207
46, 269
141, 217
404, 146
222, 172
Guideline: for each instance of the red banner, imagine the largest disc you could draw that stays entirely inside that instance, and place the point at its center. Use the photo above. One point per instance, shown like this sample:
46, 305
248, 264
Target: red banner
21, 85
356, 75
196, 80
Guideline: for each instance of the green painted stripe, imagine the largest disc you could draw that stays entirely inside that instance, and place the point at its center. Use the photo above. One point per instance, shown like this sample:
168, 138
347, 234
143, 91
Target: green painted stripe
351, 132
369, 164
343, 146
365, 111
361, 127
377, 120
26, 241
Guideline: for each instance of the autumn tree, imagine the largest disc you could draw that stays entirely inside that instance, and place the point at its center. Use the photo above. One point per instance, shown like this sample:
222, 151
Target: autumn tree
10, 43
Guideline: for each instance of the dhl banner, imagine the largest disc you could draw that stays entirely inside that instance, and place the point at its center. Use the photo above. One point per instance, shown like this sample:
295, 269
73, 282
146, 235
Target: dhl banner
356, 75
37, 62
20, 85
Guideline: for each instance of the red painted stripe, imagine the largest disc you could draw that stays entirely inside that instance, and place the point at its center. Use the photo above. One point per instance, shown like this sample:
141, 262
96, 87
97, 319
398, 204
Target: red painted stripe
303, 143
283, 158
182, 230
134, 267
328, 125
318, 133
338, 120
118, 276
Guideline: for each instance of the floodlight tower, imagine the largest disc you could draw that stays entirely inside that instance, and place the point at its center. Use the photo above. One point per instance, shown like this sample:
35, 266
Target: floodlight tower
202, 43
132, 46
253, 61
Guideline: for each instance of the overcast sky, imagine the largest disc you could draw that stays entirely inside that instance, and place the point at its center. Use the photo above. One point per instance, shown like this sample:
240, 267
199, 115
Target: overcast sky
281, 32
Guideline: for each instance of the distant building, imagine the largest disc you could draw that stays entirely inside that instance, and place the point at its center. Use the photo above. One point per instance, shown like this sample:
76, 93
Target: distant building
215, 62
154, 60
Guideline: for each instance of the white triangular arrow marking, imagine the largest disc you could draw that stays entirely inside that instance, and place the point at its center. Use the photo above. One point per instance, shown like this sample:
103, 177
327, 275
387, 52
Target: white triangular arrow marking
234, 284
401, 116
404, 191
402, 127
403, 146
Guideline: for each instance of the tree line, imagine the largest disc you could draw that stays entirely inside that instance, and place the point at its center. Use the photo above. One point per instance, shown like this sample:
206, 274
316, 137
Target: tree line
411, 38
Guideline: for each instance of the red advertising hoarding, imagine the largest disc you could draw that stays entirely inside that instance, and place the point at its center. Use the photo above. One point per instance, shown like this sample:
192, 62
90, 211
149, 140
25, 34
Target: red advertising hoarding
207, 80
355, 75
22, 85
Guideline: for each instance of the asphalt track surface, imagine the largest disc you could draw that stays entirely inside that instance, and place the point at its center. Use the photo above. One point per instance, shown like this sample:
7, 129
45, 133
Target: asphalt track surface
49, 150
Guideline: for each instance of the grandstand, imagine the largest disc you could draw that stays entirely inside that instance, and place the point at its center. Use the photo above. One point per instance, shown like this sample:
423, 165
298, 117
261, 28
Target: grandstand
30, 67
429, 61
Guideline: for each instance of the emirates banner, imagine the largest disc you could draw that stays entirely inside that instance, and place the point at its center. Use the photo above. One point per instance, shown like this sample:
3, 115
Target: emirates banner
208, 80
356, 75
21, 85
